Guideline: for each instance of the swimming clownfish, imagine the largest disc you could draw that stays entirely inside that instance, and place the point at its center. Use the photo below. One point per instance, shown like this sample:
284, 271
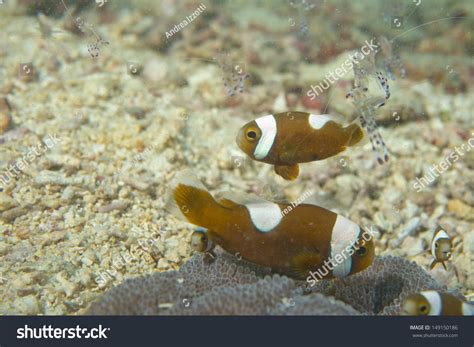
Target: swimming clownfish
291, 240
433, 303
289, 138
441, 247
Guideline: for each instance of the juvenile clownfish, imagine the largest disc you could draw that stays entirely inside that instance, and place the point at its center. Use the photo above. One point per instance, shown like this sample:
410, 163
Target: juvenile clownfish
433, 303
441, 247
291, 240
289, 138
200, 241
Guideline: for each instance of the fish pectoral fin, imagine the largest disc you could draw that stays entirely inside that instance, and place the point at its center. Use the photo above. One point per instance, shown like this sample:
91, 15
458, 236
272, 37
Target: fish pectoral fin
433, 264
209, 257
303, 263
289, 173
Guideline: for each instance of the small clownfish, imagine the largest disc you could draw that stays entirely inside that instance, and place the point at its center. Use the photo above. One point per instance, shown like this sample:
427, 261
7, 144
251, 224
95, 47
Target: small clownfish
433, 303
441, 247
289, 138
292, 240
200, 241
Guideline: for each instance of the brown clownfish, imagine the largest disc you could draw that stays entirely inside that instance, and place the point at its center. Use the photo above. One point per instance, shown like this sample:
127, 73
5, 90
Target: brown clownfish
289, 138
433, 303
289, 239
441, 247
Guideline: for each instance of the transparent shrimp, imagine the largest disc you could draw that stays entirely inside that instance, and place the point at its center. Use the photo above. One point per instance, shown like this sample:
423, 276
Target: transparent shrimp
366, 112
233, 76
366, 105
302, 6
392, 61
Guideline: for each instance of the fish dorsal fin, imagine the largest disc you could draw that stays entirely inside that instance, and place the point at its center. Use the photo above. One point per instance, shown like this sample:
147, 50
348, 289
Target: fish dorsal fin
439, 233
314, 200
186, 177
227, 203
338, 119
228, 197
312, 203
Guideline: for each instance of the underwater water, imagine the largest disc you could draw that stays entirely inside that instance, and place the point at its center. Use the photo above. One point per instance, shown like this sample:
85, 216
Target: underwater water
103, 104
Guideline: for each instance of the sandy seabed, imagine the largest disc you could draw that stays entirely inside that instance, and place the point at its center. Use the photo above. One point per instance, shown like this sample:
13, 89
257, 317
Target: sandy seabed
86, 211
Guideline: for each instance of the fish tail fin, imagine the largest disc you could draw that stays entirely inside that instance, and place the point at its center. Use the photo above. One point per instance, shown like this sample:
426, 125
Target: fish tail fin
188, 199
433, 264
356, 134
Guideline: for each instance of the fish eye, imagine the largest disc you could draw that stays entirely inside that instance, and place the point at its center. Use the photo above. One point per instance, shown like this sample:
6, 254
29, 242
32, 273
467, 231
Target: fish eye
424, 309
199, 241
251, 135
361, 251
